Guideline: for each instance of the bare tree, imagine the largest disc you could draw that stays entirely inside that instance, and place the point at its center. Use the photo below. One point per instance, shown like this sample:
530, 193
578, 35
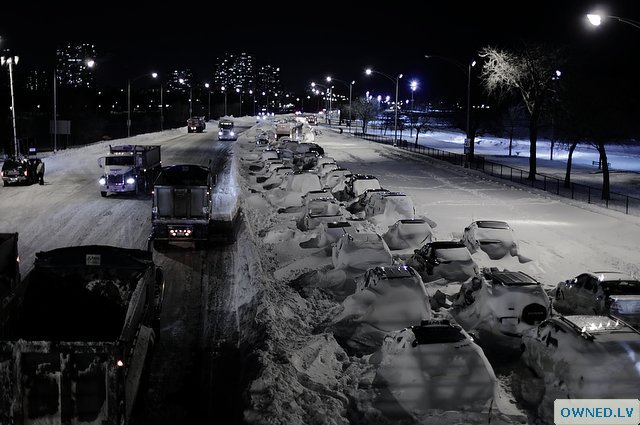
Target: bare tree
532, 72
365, 111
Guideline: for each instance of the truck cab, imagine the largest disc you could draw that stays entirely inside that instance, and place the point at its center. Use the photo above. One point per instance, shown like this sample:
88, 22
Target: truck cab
129, 168
226, 130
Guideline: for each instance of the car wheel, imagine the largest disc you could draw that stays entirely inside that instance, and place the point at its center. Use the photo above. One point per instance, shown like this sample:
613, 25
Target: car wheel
103, 194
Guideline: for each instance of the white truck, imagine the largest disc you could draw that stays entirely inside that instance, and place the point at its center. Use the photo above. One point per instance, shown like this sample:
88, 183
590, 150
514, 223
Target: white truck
129, 168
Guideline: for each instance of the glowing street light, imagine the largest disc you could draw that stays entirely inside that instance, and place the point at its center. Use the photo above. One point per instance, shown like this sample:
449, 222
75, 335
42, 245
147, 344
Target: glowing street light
371, 71
329, 79
206, 85
596, 20
9, 61
129, 81
224, 90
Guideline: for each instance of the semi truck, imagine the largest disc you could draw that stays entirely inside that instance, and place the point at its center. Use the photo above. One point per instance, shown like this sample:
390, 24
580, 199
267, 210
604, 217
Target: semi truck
9, 264
77, 334
182, 205
129, 169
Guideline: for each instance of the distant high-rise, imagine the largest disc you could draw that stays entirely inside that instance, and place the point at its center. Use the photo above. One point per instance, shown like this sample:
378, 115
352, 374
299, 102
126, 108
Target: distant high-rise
72, 67
235, 71
180, 81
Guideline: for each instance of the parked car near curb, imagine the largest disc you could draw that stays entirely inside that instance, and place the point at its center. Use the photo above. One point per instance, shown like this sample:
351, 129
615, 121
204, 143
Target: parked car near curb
448, 260
600, 292
578, 357
494, 237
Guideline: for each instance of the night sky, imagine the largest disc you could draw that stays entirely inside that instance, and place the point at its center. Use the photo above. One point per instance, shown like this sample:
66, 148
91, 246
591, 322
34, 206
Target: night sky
310, 40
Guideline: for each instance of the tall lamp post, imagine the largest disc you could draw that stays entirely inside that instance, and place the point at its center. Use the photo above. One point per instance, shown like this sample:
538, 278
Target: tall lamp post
155, 75
466, 71
225, 99
9, 61
206, 85
240, 94
329, 79
129, 81
395, 80
90, 64
252, 93
595, 19
413, 86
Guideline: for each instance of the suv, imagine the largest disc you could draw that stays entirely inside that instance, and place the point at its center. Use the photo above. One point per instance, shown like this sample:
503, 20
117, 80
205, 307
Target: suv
195, 125
20, 171
600, 292
226, 130
579, 357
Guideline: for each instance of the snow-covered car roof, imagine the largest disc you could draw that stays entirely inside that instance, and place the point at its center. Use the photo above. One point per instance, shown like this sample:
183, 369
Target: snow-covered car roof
436, 365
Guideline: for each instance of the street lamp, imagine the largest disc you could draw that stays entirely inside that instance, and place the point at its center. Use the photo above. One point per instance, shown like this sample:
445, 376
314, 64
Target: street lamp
182, 81
595, 19
329, 79
155, 75
225, 99
240, 94
90, 64
129, 81
206, 85
467, 71
395, 131
413, 86
10, 61
252, 93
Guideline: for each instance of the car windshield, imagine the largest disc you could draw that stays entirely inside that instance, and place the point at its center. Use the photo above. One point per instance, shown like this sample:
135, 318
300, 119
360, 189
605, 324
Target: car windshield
119, 160
453, 254
622, 287
488, 224
437, 334
226, 125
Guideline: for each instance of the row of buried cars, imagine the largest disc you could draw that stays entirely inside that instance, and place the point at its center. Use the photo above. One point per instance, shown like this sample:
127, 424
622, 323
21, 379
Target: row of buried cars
424, 310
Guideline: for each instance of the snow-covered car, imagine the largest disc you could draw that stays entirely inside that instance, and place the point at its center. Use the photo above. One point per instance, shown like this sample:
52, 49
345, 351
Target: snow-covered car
357, 184
357, 206
496, 238
335, 179
324, 168
448, 260
436, 365
294, 186
328, 233
321, 210
386, 299
579, 357
396, 204
409, 233
502, 307
359, 251
600, 292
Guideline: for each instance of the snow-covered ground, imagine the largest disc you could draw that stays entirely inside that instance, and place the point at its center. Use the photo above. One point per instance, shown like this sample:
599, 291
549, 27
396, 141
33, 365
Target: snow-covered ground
287, 294
306, 375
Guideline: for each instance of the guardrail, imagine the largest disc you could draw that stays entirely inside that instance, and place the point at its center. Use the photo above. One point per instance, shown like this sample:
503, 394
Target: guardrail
576, 191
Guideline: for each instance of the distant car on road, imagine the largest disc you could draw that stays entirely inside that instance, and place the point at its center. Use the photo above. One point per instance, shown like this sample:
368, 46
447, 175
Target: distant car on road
196, 125
600, 292
494, 237
580, 357
448, 260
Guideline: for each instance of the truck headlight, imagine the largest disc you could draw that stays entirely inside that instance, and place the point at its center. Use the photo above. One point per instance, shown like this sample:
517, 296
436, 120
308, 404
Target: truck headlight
131, 180
102, 181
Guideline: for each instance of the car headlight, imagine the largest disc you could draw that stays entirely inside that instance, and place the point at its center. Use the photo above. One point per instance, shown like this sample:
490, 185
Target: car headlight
102, 181
131, 180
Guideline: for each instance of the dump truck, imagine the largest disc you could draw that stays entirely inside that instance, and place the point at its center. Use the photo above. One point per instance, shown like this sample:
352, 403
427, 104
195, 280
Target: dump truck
9, 264
182, 205
77, 335
129, 169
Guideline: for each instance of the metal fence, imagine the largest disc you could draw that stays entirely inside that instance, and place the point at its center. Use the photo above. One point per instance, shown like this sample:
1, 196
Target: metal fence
579, 192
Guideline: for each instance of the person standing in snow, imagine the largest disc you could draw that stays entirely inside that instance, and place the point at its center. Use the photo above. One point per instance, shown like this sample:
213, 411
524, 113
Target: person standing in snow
40, 172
